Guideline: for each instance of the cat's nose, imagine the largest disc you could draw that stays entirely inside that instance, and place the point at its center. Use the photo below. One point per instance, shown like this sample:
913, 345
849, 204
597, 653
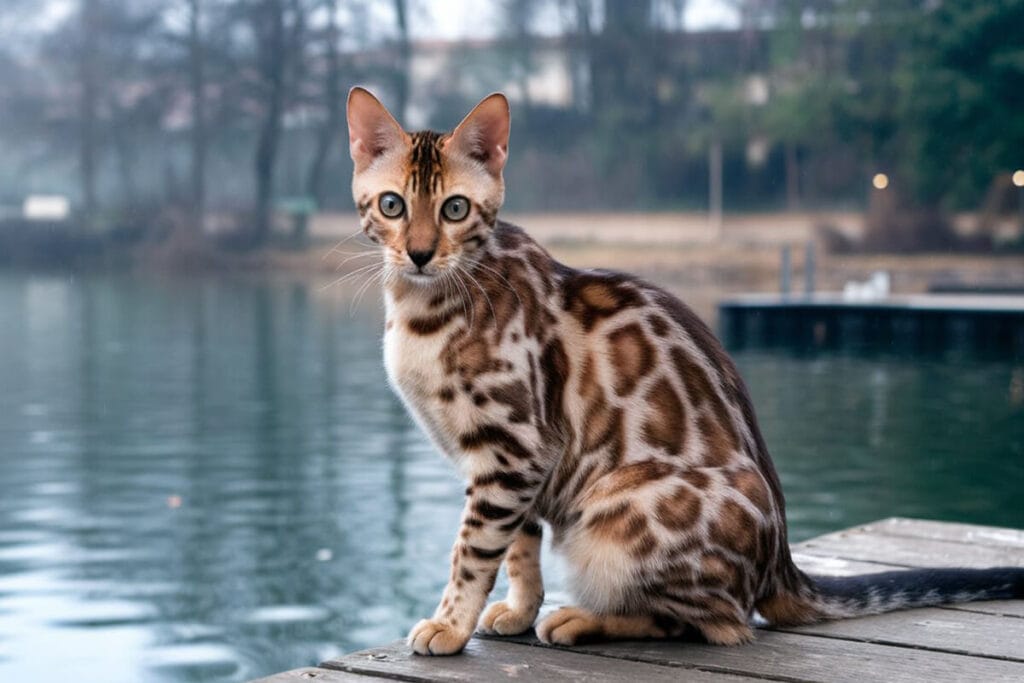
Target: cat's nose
421, 258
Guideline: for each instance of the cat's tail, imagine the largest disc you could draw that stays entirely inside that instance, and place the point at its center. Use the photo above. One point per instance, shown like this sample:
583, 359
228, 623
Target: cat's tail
816, 598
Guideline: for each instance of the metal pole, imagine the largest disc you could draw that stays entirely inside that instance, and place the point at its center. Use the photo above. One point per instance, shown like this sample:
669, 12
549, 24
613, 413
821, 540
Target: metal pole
1017, 178
785, 273
809, 270
715, 186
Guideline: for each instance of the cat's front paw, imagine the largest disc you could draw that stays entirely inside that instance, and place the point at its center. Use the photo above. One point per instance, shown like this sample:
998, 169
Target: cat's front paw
431, 637
503, 619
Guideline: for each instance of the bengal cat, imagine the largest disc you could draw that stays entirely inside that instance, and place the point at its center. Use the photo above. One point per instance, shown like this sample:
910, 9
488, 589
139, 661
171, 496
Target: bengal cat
588, 399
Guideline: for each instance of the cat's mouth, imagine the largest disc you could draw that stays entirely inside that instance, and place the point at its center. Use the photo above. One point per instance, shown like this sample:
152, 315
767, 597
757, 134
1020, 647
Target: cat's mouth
419, 276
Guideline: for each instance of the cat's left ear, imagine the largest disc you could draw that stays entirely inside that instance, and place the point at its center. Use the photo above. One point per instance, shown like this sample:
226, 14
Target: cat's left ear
483, 134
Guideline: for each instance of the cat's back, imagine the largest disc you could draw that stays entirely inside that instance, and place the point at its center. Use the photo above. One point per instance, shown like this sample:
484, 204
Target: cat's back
638, 351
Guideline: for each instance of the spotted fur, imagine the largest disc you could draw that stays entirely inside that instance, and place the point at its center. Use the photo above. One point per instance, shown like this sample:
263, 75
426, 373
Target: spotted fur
593, 401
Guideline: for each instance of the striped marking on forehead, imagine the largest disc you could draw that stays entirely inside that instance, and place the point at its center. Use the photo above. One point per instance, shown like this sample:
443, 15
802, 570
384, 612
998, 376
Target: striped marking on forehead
425, 162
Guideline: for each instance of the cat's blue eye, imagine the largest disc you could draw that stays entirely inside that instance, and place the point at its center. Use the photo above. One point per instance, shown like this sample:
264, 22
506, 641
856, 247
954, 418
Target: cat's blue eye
391, 205
455, 208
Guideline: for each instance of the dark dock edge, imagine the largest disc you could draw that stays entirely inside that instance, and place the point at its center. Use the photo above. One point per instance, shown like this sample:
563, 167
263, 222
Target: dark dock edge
927, 324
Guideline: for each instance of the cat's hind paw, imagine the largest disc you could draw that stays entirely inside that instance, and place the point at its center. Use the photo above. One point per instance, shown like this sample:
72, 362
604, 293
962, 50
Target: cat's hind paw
430, 637
568, 626
574, 626
504, 620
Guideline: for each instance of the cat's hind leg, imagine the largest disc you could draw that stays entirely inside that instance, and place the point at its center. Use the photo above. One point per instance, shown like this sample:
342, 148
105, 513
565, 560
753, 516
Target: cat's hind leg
725, 631
575, 625
517, 612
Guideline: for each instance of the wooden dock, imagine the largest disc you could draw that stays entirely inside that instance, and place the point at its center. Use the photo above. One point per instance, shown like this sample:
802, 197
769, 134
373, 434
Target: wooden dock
989, 325
981, 641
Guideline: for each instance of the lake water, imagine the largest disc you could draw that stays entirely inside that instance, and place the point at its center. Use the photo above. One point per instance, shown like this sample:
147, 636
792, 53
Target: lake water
209, 479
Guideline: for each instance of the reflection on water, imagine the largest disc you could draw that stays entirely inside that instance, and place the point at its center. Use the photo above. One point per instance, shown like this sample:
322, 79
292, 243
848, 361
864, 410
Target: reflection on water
208, 479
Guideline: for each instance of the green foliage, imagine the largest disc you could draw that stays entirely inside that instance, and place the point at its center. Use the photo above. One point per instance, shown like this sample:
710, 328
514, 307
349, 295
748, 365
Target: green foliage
808, 98
964, 99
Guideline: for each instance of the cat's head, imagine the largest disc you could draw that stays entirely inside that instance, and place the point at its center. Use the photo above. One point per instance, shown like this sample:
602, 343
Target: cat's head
430, 199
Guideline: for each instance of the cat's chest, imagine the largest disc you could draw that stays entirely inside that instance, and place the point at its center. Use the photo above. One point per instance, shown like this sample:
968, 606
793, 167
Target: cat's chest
419, 368
414, 362
453, 381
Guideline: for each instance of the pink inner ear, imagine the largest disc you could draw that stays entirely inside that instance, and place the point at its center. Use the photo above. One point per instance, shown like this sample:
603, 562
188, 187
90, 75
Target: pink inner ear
483, 134
372, 130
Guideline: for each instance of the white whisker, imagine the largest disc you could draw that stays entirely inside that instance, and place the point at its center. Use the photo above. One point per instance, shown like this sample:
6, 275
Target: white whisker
358, 232
503, 279
467, 299
350, 275
483, 291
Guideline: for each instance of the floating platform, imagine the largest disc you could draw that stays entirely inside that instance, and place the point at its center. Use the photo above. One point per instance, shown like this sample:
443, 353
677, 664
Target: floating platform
980, 641
922, 324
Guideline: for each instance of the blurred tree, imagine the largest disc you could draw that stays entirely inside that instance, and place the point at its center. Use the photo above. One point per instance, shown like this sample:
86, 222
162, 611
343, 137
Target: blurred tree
964, 99
331, 96
403, 47
577, 24
518, 16
621, 60
277, 29
107, 59
197, 88
87, 105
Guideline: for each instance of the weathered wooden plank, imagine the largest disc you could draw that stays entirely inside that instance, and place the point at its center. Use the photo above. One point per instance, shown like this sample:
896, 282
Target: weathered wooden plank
857, 544
1001, 608
798, 657
980, 641
957, 532
316, 674
837, 566
943, 630
501, 659
834, 566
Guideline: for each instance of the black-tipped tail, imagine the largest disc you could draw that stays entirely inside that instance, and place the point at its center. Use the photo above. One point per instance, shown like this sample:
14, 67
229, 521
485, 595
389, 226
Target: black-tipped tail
807, 599
851, 596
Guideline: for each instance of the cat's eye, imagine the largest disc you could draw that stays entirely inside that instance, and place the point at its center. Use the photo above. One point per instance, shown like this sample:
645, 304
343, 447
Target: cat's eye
455, 208
391, 205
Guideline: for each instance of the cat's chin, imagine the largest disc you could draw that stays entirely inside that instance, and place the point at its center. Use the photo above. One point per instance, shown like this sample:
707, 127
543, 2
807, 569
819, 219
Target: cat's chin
420, 279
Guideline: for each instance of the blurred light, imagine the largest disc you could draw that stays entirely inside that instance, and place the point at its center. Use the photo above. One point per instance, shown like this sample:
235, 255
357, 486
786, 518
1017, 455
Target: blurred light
46, 207
757, 151
880, 181
174, 502
324, 555
756, 90
1018, 177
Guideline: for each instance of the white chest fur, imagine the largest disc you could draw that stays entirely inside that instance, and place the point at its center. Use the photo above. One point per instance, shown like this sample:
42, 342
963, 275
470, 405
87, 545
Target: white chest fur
449, 405
414, 367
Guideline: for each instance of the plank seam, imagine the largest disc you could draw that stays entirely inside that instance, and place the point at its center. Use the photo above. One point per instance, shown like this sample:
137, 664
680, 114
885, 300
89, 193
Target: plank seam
833, 556
672, 664
972, 543
962, 607
339, 665
905, 646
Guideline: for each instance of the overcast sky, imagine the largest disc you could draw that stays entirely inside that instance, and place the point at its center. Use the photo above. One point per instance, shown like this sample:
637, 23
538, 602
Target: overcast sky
465, 18
449, 19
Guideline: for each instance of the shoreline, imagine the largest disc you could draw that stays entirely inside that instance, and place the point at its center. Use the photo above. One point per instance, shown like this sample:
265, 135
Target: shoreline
678, 251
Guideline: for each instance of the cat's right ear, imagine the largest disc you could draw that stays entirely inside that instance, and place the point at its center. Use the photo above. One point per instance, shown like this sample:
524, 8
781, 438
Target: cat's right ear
372, 130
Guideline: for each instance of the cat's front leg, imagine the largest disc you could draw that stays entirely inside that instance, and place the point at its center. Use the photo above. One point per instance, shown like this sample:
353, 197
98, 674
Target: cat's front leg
496, 508
517, 612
